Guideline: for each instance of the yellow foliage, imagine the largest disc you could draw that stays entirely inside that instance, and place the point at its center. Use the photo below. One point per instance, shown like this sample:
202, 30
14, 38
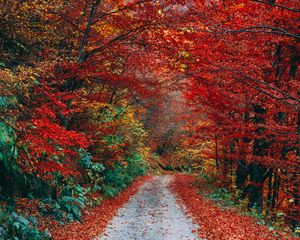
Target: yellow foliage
105, 29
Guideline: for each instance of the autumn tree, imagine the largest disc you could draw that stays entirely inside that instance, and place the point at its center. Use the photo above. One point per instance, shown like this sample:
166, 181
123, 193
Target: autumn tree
248, 92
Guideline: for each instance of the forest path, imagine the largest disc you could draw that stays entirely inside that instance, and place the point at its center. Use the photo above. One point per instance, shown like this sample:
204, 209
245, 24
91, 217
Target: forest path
151, 214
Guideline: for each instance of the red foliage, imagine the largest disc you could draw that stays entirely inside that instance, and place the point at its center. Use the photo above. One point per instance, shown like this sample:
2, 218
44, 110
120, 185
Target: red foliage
245, 83
215, 223
47, 146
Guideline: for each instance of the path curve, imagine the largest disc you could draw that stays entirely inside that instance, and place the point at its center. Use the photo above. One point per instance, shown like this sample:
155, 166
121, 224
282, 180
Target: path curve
151, 214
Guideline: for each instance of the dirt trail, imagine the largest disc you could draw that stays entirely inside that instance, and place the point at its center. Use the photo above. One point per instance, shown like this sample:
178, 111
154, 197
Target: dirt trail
151, 214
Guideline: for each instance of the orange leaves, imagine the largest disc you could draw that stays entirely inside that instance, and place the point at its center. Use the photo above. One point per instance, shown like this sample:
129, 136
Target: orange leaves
216, 223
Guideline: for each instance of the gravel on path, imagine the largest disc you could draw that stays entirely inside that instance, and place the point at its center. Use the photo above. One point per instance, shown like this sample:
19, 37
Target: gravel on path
151, 214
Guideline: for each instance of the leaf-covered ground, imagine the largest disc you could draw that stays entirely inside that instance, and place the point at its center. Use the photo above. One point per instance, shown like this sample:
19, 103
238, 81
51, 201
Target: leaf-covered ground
216, 223
95, 220
152, 213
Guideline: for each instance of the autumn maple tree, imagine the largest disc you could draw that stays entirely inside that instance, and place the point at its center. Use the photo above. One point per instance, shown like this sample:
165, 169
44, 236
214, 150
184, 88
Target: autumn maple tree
244, 79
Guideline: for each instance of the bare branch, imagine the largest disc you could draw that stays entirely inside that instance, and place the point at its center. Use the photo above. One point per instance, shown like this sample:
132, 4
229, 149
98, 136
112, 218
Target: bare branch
287, 95
117, 38
81, 57
277, 5
275, 30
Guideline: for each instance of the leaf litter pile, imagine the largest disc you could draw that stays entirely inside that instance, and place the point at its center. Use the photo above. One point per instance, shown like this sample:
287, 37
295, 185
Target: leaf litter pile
217, 223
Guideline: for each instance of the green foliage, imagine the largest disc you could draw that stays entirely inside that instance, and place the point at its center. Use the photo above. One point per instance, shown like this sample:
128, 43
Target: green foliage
72, 200
9, 170
257, 214
114, 180
113, 139
137, 166
207, 177
7, 142
94, 170
14, 226
155, 156
222, 197
169, 168
121, 175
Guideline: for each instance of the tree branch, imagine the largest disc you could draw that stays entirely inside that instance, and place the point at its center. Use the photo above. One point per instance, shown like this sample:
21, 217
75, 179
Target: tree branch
82, 55
277, 5
275, 30
117, 38
287, 95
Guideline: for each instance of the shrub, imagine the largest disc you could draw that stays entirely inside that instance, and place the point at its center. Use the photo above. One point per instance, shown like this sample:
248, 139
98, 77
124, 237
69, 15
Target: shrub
122, 174
14, 226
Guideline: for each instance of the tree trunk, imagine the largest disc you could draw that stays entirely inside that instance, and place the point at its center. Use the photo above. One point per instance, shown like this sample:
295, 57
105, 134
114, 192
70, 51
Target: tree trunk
269, 198
295, 180
275, 188
217, 156
225, 172
255, 196
241, 174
